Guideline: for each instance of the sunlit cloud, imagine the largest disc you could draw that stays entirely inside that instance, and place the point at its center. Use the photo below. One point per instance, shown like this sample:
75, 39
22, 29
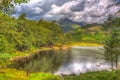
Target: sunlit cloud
91, 11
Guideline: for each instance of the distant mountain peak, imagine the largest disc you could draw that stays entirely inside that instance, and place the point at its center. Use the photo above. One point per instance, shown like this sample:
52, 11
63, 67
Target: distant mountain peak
65, 19
67, 24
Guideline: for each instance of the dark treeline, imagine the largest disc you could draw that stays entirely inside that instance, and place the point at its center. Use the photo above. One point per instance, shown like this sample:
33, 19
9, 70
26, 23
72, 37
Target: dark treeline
22, 34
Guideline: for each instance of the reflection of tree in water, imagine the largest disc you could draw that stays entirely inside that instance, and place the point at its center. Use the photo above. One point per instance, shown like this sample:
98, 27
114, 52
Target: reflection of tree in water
68, 57
45, 61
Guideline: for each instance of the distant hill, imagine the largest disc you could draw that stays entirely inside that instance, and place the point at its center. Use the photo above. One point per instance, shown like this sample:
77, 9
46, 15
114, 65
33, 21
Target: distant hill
68, 25
91, 25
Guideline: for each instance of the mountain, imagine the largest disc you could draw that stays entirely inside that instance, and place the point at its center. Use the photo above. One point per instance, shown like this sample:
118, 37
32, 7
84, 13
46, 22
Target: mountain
68, 25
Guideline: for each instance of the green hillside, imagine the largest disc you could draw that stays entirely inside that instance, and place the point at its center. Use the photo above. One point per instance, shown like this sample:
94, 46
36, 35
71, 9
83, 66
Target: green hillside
22, 34
92, 34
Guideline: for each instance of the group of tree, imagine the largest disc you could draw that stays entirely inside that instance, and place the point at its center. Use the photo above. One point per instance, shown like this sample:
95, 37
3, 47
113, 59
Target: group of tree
22, 34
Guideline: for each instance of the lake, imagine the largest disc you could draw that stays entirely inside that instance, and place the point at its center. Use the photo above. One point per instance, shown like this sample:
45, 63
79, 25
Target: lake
74, 61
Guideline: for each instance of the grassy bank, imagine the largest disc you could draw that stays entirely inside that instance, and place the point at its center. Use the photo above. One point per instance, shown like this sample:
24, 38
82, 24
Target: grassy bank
6, 57
85, 44
99, 75
13, 74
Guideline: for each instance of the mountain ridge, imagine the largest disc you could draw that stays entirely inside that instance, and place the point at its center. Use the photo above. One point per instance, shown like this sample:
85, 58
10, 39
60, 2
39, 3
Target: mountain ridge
69, 25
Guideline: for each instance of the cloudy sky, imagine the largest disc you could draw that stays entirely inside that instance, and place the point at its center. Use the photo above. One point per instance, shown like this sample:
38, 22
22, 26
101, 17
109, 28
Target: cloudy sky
91, 11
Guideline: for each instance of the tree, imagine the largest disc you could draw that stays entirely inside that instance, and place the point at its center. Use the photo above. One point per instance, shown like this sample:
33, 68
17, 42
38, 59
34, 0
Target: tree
22, 16
112, 47
112, 43
7, 6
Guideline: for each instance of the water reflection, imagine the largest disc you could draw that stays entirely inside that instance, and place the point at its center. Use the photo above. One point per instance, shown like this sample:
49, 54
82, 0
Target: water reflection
75, 61
83, 59
44, 61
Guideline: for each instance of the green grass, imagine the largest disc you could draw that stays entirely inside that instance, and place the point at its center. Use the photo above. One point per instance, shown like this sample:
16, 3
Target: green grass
87, 37
13, 74
99, 75
92, 34
43, 76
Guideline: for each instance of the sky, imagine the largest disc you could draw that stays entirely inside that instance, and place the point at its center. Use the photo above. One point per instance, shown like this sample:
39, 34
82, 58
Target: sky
91, 11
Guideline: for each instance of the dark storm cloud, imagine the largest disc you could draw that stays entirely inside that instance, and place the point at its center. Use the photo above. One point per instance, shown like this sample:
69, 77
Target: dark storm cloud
78, 10
78, 7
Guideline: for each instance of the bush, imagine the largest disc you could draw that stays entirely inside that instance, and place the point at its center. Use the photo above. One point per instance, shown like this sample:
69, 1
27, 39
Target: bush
4, 57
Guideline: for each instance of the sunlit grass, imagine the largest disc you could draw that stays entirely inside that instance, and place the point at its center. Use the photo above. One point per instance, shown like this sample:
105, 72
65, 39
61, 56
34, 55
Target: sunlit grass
13, 74
43, 76
85, 44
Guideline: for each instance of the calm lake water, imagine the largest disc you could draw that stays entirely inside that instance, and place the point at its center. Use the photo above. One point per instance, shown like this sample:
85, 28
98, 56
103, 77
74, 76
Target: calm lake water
74, 61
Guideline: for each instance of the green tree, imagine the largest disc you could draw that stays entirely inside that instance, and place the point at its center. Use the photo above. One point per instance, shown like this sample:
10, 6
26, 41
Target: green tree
22, 16
112, 43
112, 47
7, 6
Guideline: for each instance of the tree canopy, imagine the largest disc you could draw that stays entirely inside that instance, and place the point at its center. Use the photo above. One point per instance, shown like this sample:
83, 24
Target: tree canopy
22, 34
7, 6
112, 41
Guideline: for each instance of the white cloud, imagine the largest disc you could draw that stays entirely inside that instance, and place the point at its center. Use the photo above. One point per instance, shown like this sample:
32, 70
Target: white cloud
78, 10
34, 2
64, 9
37, 10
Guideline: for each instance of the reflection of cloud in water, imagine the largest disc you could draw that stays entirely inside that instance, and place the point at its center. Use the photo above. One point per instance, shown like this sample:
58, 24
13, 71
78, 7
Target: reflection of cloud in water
83, 59
77, 68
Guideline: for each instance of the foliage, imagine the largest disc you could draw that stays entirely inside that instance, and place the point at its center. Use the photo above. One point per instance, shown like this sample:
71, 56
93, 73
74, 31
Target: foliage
4, 57
22, 34
7, 6
112, 41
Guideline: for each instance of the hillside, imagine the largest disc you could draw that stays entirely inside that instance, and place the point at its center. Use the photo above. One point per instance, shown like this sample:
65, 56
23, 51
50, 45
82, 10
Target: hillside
22, 34
81, 31
69, 25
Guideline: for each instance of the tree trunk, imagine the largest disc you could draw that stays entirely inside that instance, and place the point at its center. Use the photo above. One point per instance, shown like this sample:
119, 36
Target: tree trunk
116, 61
112, 64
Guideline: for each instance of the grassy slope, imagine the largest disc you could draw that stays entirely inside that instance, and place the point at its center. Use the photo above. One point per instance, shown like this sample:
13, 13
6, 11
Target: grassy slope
13, 74
88, 36
100, 75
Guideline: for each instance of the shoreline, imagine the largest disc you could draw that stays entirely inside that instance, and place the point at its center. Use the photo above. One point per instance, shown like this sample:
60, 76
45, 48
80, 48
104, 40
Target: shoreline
21, 55
30, 53
86, 44
64, 47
